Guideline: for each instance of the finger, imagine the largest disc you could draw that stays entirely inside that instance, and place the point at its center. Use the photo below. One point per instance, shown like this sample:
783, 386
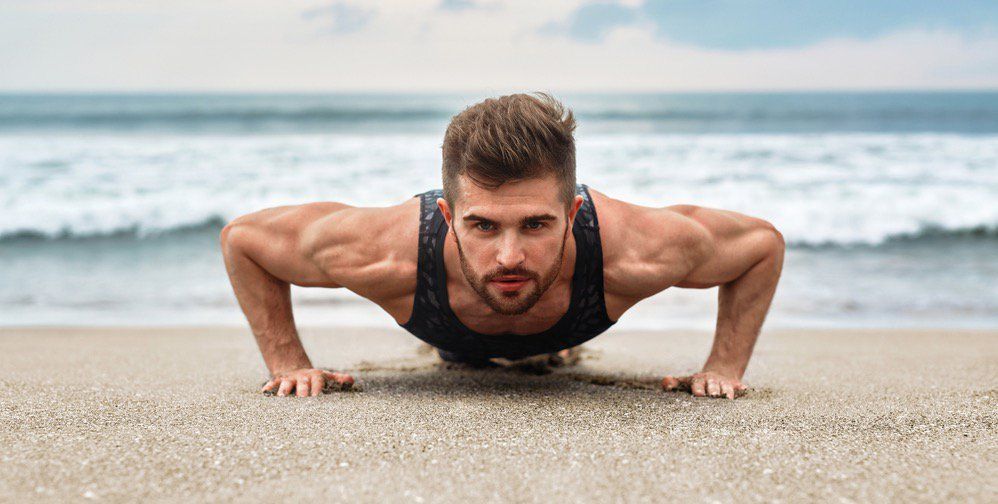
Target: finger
285, 388
678, 383
713, 389
670, 383
344, 380
302, 387
269, 386
317, 383
697, 387
728, 389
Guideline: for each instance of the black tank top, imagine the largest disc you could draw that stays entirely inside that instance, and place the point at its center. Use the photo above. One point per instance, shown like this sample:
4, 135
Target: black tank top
433, 321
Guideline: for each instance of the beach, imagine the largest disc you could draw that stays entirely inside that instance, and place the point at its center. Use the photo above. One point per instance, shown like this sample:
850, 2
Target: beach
126, 413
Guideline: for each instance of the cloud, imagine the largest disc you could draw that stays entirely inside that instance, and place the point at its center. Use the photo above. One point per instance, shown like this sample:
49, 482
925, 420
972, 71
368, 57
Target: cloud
190, 45
469, 5
341, 17
456, 5
767, 24
590, 22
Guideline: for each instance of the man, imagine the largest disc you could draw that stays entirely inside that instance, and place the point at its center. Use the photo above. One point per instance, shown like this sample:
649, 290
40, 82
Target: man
510, 259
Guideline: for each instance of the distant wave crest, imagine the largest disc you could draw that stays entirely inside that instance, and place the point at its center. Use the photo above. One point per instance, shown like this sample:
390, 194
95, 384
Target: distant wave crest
212, 224
828, 190
125, 118
929, 233
356, 114
964, 113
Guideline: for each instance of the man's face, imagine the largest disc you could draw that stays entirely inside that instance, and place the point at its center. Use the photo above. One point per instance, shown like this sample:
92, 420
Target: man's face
510, 240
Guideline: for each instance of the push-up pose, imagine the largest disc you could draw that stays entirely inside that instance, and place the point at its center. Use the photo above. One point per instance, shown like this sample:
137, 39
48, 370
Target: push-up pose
512, 258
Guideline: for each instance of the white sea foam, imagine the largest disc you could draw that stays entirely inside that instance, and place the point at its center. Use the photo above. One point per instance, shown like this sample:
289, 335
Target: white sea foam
817, 189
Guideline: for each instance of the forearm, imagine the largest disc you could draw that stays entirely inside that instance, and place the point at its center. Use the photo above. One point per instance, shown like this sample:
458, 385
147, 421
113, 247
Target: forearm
266, 302
742, 307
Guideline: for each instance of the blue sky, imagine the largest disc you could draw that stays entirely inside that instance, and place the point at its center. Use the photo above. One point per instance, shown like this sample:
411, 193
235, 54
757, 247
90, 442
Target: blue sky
761, 24
484, 45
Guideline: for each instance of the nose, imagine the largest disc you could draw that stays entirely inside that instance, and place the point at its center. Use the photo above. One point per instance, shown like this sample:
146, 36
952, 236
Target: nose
510, 254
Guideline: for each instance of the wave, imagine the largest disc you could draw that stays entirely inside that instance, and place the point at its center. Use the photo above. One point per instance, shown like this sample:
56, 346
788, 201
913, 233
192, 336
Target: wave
213, 224
926, 235
833, 189
971, 120
966, 112
126, 118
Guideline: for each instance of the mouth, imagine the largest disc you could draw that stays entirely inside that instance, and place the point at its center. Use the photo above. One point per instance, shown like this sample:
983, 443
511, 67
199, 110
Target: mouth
510, 283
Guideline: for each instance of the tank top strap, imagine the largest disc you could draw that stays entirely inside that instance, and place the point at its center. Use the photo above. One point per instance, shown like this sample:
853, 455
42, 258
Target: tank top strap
591, 310
426, 301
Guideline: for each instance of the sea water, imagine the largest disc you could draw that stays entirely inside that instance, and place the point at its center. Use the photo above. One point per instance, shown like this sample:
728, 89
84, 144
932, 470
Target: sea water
111, 205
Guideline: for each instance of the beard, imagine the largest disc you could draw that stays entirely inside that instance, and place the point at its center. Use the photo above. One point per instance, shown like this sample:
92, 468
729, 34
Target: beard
517, 302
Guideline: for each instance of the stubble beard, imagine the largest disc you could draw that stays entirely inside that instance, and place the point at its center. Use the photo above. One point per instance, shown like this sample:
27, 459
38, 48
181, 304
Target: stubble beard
517, 302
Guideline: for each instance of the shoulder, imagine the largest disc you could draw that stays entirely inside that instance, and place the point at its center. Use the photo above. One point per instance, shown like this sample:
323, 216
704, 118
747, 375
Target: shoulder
372, 251
647, 249
373, 233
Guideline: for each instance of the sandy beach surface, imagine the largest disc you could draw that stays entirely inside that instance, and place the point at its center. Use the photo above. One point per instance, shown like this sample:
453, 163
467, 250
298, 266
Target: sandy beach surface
174, 414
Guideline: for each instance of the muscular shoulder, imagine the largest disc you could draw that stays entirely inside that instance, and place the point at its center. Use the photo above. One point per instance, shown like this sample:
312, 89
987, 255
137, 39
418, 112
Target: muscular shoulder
370, 250
647, 249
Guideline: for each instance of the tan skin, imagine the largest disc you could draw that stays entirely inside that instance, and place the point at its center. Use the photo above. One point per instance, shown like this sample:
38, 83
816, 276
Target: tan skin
372, 251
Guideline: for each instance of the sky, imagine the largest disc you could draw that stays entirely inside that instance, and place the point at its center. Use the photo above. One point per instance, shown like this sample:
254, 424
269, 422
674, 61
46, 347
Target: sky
496, 46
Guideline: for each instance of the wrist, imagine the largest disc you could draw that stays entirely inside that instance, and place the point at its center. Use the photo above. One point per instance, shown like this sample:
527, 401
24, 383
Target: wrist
724, 369
287, 365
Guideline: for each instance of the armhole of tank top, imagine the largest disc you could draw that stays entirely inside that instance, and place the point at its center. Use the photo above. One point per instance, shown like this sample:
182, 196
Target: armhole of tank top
598, 251
421, 260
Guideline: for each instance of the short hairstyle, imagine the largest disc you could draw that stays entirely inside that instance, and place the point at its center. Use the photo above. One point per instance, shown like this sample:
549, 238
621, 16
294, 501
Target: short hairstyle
513, 137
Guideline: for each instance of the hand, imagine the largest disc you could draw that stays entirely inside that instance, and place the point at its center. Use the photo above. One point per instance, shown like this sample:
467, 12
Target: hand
706, 383
306, 381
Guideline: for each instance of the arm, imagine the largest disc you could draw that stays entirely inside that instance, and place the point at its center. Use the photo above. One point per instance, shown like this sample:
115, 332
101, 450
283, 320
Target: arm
265, 252
647, 250
741, 255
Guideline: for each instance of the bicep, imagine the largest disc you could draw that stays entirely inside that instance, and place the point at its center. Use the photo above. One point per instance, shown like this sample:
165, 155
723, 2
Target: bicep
731, 244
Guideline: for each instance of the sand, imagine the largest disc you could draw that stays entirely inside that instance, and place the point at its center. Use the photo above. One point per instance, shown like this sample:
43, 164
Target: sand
175, 415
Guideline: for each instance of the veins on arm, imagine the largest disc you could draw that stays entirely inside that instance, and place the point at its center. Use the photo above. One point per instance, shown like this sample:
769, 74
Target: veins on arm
685, 246
723, 245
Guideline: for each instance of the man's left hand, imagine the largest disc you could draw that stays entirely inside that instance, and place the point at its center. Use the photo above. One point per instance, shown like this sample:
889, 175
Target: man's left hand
706, 384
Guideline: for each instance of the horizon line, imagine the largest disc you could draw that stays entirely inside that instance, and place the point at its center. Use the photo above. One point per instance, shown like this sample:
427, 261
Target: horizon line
428, 92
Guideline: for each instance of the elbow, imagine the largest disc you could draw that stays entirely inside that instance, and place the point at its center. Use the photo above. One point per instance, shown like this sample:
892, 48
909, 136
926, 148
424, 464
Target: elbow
776, 246
779, 243
225, 237
231, 237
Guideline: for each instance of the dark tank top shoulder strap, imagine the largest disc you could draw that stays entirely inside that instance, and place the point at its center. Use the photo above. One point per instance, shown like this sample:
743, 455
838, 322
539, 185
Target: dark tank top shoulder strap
431, 220
591, 310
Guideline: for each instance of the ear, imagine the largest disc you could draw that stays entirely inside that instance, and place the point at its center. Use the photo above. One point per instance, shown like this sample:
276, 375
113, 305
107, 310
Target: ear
446, 210
576, 204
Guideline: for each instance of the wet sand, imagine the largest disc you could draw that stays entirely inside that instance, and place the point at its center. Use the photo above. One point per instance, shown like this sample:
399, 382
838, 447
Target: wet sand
175, 414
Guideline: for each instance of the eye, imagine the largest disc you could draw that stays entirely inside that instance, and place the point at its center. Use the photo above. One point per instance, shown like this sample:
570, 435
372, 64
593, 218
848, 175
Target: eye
482, 223
535, 225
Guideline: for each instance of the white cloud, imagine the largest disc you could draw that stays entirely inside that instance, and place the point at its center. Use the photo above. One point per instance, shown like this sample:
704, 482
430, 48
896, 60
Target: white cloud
413, 46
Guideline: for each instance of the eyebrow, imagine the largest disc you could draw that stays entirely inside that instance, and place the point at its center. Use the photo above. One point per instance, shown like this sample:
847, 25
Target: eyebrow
529, 218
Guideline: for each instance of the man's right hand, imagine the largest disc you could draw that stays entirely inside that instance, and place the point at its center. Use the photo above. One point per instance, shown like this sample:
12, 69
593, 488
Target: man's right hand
306, 381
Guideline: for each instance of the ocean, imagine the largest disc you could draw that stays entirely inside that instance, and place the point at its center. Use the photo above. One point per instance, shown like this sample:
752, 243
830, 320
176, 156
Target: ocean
110, 205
